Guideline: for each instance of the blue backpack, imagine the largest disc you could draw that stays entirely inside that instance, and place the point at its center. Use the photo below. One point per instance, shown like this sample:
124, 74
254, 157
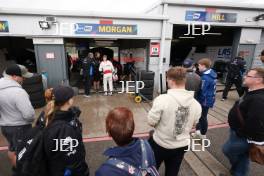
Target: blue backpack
143, 170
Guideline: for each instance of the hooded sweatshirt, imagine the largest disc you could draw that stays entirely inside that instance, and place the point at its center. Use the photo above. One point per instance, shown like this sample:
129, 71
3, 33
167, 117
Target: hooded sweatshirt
131, 154
15, 106
173, 116
206, 96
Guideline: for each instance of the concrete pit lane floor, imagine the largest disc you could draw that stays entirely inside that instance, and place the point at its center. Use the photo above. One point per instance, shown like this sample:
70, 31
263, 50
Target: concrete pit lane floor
94, 111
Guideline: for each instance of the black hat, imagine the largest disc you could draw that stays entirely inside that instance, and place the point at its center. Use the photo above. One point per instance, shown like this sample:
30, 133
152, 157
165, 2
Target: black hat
62, 93
187, 63
13, 70
18, 70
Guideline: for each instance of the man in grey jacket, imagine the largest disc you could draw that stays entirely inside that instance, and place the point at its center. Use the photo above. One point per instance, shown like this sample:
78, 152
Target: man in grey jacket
16, 111
193, 80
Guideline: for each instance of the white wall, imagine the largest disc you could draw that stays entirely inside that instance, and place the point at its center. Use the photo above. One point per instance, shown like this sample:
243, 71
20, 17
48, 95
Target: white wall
250, 36
244, 17
29, 26
257, 62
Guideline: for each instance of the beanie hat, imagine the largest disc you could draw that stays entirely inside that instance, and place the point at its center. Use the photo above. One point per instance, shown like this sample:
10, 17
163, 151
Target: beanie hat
62, 93
187, 63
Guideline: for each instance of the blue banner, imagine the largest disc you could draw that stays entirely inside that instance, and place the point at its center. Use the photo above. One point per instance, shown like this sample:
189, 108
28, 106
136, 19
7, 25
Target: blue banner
210, 17
4, 26
110, 29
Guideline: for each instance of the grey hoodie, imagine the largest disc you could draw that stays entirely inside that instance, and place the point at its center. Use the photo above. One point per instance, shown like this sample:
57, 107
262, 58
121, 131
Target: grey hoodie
193, 82
15, 106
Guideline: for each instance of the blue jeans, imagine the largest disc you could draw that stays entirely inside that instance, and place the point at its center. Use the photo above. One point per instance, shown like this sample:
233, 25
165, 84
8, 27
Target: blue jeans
203, 123
236, 149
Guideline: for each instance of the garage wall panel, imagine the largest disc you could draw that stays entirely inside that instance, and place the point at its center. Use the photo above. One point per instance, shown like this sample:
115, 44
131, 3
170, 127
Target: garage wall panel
259, 48
20, 25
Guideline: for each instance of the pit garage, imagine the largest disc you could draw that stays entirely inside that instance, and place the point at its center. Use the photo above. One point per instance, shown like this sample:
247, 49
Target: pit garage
217, 45
123, 53
18, 50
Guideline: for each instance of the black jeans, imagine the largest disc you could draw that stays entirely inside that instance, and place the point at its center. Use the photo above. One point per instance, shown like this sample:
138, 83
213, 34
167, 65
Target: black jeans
228, 85
172, 157
203, 122
87, 85
15, 135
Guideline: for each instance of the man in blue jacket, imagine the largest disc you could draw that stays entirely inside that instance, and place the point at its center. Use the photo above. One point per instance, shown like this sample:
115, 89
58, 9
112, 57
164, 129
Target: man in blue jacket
206, 96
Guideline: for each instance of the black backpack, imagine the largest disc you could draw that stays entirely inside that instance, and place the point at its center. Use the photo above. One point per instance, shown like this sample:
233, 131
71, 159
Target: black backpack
31, 155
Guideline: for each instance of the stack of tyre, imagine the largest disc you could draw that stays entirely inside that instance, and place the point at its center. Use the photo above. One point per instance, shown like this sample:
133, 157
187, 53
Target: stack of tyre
34, 88
148, 78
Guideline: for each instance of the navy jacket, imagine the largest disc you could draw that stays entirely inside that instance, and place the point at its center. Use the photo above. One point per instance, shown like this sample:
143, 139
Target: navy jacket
130, 154
206, 96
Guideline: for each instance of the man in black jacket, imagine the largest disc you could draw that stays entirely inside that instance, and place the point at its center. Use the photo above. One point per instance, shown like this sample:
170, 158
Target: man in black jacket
86, 67
236, 69
246, 122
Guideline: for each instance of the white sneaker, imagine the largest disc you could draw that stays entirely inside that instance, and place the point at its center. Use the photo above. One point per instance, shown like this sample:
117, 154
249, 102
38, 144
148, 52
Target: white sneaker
197, 134
223, 99
110, 94
105, 94
87, 96
203, 137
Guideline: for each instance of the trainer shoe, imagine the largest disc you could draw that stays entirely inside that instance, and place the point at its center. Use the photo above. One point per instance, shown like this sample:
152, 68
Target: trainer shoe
196, 134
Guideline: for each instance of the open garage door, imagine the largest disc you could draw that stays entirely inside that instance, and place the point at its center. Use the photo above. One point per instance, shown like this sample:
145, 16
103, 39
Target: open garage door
123, 53
17, 50
217, 46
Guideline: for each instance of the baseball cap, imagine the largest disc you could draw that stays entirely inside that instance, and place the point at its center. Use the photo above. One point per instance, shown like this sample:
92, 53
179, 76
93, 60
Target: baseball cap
18, 70
62, 93
187, 63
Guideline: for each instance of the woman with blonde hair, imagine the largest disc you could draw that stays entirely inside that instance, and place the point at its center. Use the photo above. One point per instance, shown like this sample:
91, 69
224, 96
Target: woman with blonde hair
54, 146
62, 126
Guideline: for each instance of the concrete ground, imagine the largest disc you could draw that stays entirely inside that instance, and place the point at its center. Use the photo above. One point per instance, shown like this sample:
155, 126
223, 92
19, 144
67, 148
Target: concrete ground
210, 162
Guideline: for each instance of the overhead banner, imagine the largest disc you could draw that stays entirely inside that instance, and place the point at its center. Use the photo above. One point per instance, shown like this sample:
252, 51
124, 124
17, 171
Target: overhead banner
4, 26
109, 29
210, 16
